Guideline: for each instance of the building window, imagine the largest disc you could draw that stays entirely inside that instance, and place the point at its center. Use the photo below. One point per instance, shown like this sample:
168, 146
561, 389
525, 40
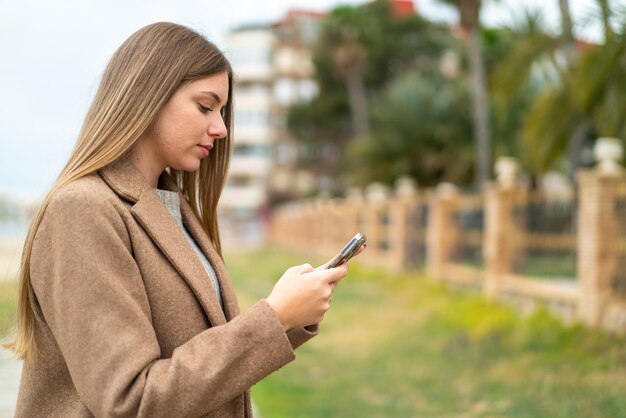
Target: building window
244, 117
250, 56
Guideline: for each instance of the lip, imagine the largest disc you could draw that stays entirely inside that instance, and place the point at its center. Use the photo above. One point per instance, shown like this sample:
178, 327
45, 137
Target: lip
205, 148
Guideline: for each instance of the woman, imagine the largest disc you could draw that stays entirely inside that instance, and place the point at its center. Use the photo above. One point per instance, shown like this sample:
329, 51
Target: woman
126, 308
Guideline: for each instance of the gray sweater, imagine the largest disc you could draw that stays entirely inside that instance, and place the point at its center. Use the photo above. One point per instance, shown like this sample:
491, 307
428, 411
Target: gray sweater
172, 203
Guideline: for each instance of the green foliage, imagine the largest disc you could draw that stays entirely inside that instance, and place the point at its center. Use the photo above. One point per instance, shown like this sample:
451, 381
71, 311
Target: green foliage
391, 47
400, 345
602, 85
8, 307
590, 89
392, 44
421, 128
420, 118
548, 127
526, 70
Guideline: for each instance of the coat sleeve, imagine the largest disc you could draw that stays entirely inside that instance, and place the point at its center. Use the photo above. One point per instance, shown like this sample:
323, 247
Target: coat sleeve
93, 299
299, 336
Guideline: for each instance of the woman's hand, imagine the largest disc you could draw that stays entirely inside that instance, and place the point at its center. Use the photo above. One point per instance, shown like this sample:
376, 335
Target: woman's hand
302, 295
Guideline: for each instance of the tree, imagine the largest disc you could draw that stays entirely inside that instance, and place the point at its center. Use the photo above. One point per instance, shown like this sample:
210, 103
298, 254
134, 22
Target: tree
527, 66
420, 128
591, 89
567, 32
349, 57
360, 50
469, 11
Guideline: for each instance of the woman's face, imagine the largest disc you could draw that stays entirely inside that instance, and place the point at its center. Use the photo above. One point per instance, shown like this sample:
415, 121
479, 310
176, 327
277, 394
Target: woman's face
187, 127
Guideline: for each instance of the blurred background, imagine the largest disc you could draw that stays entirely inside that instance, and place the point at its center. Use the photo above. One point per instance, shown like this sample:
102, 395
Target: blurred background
476, 143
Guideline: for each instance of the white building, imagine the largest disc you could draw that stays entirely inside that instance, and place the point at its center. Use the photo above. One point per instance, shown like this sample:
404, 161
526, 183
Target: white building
273, 68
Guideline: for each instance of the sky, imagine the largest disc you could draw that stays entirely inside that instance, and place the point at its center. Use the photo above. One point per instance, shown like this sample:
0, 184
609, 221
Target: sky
52, 55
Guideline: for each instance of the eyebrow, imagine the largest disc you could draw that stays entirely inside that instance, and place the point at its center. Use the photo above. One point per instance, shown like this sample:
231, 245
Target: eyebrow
215, 96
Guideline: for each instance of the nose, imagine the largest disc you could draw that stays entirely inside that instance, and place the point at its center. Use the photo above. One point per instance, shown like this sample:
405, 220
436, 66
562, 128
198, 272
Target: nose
217, 128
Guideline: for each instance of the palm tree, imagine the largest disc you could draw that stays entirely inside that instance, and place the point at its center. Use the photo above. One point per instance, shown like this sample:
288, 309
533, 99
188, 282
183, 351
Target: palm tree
567, 34
349, 58
590, 90
527, 66
606, 13
469, 11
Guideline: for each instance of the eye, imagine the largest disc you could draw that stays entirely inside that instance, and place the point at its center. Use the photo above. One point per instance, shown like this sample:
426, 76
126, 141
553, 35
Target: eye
204, 109
223, 112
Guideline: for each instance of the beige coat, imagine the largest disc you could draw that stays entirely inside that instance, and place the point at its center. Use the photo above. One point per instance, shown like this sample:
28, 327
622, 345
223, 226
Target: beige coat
131, 325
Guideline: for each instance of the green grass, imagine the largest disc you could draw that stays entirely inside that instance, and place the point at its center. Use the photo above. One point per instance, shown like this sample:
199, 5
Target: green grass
8, 306
403, 346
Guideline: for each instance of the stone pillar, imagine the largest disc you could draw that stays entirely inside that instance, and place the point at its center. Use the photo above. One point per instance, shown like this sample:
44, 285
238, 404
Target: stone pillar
597, 241
334, 228
598, 230
318, 226
354, 204
313, 226
501, 234
301, 217
325, 245
442, 232
399, 209
377, 196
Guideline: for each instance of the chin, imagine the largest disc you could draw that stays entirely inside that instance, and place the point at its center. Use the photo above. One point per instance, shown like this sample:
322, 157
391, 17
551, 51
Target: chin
188, 166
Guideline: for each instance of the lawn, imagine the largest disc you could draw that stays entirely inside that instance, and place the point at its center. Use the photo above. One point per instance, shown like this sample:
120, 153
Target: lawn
403, 346
8, 306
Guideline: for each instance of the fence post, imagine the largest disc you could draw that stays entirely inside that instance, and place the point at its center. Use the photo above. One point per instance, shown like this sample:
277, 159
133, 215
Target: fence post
597, 242
377, 197
399, 209
598, 231
441, 231
500, 226
319, 225
325, 245
354, 207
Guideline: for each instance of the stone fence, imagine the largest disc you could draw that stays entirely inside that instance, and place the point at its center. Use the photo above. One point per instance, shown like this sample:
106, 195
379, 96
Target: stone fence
491, 242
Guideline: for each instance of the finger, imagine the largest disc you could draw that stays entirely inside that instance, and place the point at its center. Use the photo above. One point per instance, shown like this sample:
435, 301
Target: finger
360, 250
323, 266
329, 275
303, 268
333, 275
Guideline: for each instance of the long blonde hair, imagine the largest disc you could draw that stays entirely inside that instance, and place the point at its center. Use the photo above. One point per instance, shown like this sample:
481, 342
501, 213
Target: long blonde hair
140, 78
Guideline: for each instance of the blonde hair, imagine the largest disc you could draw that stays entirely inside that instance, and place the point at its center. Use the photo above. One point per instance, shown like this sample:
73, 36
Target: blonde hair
140, 78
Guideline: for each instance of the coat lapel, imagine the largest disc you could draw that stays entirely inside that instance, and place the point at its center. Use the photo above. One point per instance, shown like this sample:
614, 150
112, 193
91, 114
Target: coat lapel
152, 215
191, 222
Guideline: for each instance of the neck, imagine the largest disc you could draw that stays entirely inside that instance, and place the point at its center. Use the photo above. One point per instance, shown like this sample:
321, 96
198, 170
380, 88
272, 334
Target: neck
147, 164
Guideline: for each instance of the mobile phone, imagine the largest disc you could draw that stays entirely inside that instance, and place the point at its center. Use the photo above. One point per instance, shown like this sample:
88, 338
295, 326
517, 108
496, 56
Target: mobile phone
348, 251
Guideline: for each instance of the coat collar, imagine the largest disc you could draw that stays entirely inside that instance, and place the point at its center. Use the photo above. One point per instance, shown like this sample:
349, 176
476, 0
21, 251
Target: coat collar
125, 179
128, 183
